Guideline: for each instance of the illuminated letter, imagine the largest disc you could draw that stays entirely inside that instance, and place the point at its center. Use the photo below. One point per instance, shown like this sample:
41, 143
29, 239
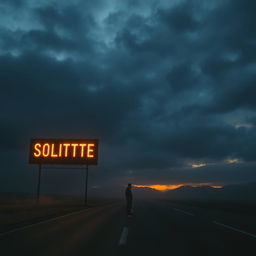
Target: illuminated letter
37, 147
82, 149
66, 145
46, 150
90, 150
52, 151
60, 150
74, 145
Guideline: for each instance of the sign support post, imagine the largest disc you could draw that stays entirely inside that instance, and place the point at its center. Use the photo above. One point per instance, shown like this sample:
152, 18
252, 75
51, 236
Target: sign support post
64, 152
86, 185
39, 182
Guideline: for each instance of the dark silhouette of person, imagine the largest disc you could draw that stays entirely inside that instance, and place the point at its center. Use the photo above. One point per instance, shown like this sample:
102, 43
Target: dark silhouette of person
128, 196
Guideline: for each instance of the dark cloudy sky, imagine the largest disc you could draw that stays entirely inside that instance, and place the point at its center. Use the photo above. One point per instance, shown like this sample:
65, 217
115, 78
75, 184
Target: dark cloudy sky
163, 84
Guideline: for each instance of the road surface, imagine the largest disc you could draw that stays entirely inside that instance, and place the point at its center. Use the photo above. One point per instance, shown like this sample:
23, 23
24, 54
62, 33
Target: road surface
157, 227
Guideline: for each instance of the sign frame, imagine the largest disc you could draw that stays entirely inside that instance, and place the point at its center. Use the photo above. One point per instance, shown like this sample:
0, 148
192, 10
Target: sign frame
66, 159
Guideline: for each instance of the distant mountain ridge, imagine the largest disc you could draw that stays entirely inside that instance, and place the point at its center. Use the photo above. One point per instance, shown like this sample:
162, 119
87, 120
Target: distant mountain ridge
235, 192
238, 192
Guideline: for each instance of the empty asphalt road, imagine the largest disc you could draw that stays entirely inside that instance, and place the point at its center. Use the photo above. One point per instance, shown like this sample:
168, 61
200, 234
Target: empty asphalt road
157, 227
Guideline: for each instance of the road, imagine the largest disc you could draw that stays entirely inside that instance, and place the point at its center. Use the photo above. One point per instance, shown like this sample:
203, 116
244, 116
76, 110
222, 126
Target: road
157, 227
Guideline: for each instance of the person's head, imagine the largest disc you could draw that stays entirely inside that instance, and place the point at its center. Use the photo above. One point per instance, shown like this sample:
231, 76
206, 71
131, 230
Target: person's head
129, 185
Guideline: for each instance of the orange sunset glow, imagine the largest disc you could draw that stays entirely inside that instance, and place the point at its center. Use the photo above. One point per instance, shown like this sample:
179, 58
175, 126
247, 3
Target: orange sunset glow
159, 187
174, 186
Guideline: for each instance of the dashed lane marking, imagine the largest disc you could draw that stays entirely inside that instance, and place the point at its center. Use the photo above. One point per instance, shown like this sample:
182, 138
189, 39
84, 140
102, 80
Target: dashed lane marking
179, 210
124, 235
235, 229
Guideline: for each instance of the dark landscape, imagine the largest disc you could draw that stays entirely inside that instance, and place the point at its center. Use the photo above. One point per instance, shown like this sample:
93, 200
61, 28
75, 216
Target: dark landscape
127, 127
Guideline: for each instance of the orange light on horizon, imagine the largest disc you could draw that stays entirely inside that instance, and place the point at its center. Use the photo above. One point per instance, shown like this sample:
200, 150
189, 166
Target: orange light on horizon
217, 186
198, 165
160, 187
204, 184
233, 161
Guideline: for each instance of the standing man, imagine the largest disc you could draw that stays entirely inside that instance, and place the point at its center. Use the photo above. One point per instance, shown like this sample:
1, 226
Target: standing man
128, 195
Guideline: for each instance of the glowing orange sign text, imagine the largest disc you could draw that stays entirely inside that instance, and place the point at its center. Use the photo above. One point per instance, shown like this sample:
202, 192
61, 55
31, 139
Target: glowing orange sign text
62, 151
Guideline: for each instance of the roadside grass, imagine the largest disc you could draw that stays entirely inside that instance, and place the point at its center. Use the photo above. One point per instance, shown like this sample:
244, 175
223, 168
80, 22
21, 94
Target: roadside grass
18, 210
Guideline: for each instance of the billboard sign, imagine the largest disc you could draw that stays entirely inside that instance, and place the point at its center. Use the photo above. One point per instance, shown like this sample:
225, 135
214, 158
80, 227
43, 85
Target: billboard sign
63, 151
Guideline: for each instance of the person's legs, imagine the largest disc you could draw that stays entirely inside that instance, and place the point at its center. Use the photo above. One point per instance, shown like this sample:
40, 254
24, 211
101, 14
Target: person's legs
129, 207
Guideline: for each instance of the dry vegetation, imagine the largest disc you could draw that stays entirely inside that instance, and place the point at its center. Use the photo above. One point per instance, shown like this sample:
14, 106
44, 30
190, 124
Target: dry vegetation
20, 210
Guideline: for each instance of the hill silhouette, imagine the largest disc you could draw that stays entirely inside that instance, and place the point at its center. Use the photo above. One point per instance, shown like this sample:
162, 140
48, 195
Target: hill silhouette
236, 192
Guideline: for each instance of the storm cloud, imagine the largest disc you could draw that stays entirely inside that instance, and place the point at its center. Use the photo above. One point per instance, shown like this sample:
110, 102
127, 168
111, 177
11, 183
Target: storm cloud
162, 84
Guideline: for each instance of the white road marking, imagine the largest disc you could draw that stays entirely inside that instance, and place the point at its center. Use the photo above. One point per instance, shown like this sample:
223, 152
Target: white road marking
188, 213
41, 222
235, 229
124, 235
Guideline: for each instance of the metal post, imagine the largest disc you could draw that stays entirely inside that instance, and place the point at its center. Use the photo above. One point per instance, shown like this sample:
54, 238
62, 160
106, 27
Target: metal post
86, 185
39, 182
